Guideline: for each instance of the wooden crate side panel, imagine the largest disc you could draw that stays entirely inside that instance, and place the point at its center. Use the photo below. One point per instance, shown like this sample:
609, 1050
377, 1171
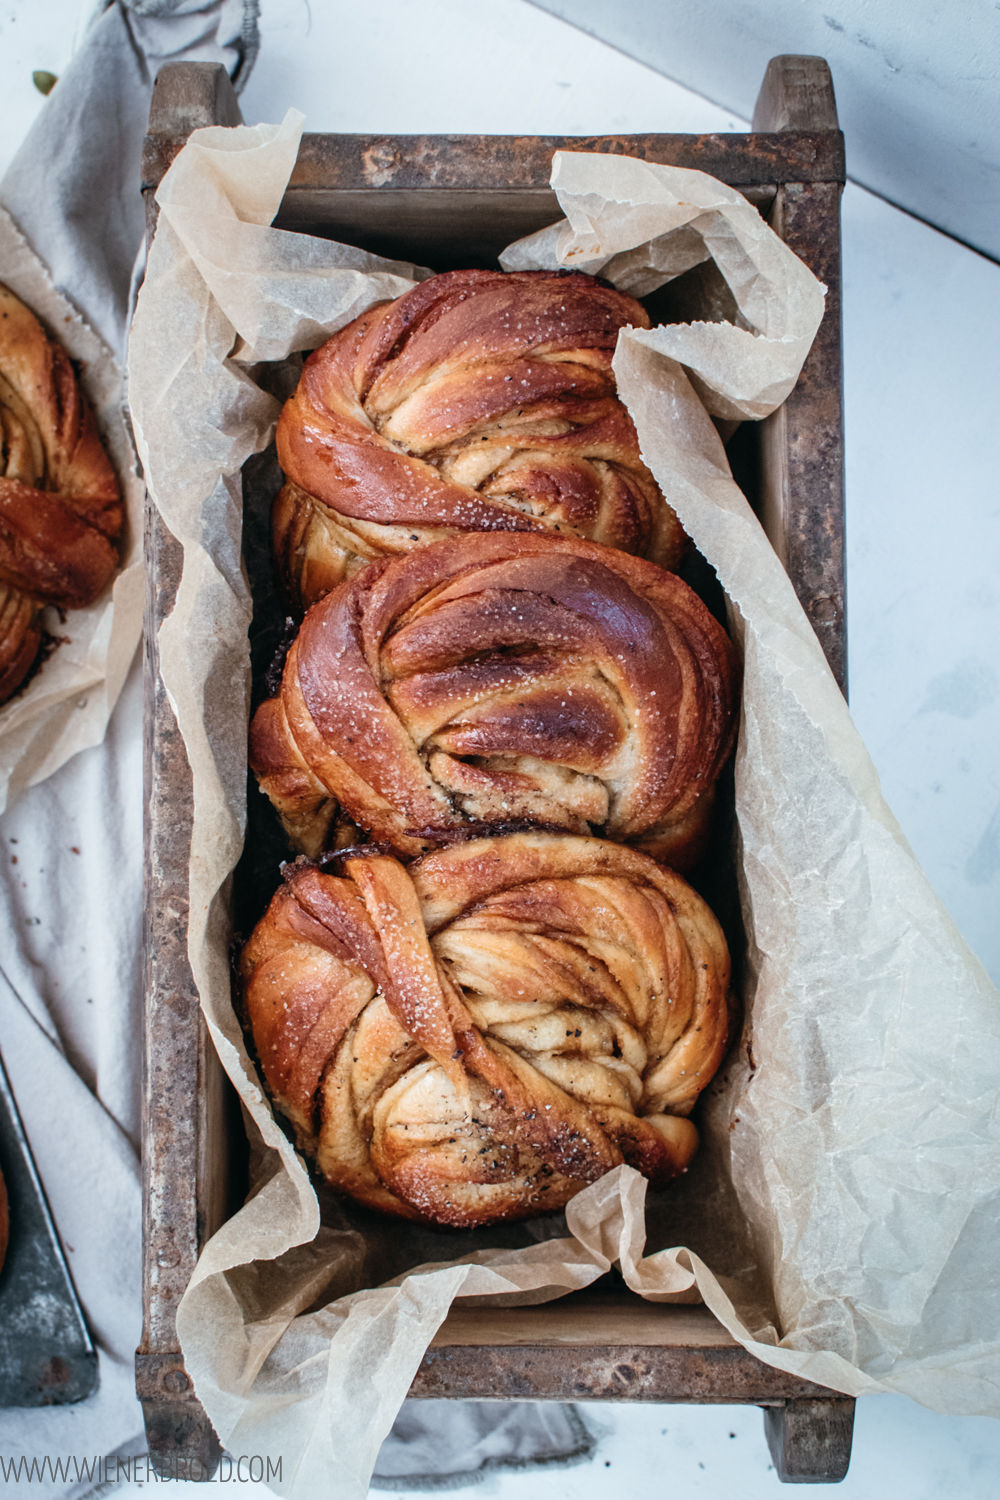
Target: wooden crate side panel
605, 1372
504, 162
346, 163
172, 1041
183, 1166
803, 442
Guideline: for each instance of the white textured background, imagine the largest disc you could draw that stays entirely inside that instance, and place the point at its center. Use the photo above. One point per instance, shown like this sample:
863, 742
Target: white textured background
922, 372
918, 83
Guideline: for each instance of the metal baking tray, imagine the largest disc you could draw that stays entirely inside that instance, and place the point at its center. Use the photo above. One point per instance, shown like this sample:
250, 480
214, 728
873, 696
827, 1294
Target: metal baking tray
46, 1356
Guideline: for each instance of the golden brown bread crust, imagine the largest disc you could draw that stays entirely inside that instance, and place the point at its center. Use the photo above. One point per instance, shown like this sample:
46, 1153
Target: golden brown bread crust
478, 1036
498, 678
60, 504
479, 401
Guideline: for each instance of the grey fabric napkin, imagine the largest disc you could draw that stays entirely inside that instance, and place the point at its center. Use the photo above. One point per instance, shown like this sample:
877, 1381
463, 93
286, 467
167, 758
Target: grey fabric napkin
71, 849
446, 1445
74, 185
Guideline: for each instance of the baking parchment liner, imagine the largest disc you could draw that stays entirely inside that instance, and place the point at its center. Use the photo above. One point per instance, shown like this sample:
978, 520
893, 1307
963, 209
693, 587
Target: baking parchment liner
860, 1143
66, 705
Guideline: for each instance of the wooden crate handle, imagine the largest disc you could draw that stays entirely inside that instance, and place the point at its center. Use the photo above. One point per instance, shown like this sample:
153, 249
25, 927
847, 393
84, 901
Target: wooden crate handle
797, 94
189, 95
810, 1439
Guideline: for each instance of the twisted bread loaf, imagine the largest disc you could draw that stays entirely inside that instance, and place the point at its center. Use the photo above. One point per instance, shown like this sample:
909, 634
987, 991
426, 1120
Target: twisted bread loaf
476, 402
479, 1036
60, 505
499, 678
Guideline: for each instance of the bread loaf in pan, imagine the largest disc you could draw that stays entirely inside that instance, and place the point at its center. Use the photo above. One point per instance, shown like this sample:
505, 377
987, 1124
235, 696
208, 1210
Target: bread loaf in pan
478, 401
480, 1035
60, 503
497, 678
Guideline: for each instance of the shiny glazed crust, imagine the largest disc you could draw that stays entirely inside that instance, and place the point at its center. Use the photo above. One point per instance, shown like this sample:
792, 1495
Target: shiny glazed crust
60, 504
479, 1036
479, 401
503, 678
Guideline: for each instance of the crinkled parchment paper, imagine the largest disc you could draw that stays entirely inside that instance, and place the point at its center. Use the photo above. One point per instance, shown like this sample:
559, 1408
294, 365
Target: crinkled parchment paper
66, 705
863, 1145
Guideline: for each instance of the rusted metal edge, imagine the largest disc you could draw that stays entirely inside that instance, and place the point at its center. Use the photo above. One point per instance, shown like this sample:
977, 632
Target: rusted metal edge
602, 1372
523, 162
177, 1428
181, 1441
538, 1372
159, 1376
172, 1015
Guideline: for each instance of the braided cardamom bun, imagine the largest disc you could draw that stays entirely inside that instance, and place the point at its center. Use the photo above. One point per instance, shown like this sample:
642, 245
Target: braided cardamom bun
497, 679
479, 1036
478, 401
60, 505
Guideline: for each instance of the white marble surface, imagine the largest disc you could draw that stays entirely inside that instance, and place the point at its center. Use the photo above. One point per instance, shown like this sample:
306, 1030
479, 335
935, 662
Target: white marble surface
918, 84
922, 369
924, 534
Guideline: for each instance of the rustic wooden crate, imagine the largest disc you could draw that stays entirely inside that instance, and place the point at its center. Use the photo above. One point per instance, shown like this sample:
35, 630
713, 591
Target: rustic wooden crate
456, 201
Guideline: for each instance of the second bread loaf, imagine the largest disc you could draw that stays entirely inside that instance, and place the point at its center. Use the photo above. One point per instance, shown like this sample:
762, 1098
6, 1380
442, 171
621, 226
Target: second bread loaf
498, 679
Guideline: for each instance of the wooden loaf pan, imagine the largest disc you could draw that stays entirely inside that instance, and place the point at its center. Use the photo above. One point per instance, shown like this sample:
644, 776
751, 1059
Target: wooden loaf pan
453, 201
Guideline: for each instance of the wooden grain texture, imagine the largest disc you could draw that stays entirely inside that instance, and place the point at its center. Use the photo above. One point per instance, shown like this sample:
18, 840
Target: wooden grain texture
797, 94
802, 443
606, 1372
183, 1110
417, 196
186, 96
590, 1317
332, 164
598, 1346
470, 195
810, 1438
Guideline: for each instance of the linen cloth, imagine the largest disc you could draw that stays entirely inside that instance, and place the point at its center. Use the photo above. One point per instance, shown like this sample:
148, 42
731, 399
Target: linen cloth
71, 848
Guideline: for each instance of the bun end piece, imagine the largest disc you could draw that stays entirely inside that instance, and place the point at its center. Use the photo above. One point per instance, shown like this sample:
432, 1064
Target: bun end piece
60, 503
478, 401
477, 1037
